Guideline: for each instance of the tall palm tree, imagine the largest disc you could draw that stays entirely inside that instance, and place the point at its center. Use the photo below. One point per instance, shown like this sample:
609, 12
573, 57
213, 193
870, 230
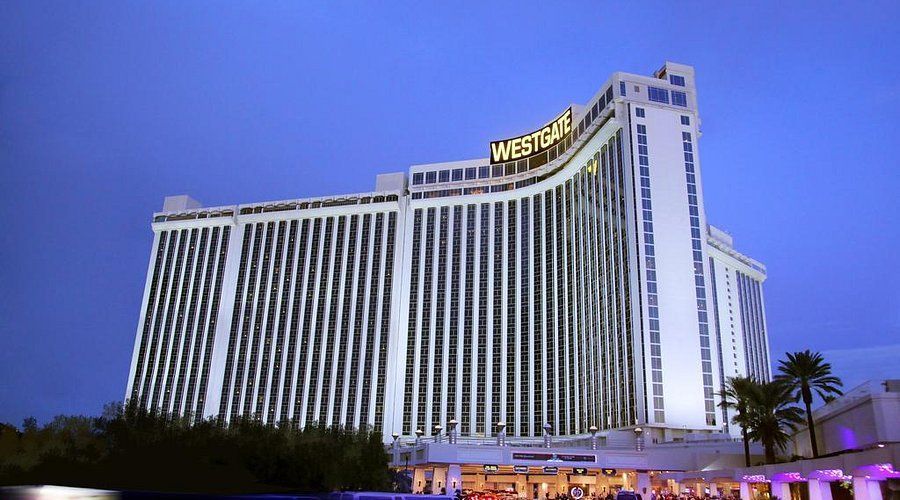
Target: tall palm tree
805, 372
773, 416
736, 396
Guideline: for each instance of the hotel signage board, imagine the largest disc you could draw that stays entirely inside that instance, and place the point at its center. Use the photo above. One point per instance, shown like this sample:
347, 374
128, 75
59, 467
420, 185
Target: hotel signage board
533, 143
549, 456
520, 469
489, 468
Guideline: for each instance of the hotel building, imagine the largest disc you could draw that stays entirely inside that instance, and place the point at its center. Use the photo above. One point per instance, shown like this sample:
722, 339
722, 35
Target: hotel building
569, 281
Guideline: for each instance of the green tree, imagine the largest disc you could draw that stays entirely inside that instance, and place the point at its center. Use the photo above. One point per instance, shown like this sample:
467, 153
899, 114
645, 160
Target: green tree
806, 372
132, 448
736, 396
773, 416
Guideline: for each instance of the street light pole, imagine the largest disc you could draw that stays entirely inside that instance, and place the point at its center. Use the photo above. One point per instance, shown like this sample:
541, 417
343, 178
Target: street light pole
396, 449
437, 433
452, 431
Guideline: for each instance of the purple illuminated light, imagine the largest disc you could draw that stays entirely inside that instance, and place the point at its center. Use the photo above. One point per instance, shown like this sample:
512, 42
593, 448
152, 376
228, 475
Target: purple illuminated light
787, 477
879, 471
829, 475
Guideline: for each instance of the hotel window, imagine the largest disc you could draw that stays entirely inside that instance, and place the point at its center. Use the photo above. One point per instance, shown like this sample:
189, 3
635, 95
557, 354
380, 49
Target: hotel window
676, 80
471, 173
622, 88
685, 120
497, 171
430, 177
457, 174
639, 112
679, 98
658, 95
444, 176
417, 178
484, 172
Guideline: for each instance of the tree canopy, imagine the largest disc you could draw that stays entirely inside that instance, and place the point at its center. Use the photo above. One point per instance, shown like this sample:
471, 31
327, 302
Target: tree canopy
135, 449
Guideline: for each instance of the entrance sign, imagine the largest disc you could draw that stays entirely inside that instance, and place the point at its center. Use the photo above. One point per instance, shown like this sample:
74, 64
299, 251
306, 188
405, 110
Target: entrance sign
551, 470
492, 468
524, 146
579, 471
608, 472
576, 492
520, 469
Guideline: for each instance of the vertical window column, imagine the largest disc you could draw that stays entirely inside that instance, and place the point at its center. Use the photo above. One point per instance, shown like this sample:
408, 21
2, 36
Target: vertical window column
650, 276
700, 285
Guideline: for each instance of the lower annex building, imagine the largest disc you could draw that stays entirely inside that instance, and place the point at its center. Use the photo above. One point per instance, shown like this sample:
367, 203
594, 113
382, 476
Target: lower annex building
570, 279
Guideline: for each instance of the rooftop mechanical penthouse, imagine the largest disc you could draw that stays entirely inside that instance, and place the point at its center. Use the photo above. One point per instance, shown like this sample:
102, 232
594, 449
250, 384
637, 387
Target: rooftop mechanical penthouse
570, 279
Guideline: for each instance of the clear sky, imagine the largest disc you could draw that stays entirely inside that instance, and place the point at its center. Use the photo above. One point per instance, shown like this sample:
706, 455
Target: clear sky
106, 107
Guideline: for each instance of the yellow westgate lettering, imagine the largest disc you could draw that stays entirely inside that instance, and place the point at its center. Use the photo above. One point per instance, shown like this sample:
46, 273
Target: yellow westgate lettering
499, 151
545, 137
526, 145
535, 142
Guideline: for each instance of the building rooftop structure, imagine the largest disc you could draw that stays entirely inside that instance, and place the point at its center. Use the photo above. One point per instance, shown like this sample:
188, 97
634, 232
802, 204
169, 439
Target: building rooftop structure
865, 416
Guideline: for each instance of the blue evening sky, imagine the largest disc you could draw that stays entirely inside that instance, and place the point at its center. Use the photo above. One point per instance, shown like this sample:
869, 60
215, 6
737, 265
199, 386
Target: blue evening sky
106, 107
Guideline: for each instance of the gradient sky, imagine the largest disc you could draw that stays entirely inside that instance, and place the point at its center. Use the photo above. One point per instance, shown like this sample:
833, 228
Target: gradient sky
107, 107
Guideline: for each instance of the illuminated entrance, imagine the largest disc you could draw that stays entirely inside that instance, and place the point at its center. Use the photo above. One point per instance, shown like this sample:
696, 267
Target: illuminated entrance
524, 481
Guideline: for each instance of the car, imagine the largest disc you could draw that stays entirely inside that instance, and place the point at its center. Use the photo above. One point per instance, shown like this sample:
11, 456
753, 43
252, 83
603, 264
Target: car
628, 495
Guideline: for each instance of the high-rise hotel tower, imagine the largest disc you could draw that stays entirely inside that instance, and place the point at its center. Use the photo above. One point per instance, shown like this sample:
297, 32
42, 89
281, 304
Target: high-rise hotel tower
570, 279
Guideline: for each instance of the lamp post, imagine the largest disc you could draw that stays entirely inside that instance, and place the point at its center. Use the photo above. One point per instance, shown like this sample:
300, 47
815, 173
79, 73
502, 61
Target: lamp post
451, 432
419, 433
437, 433
593, 430
395, 449
501, 433
547, 439
638, 439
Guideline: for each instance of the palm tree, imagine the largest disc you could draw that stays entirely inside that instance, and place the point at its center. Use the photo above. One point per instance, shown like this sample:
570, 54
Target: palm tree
773, 416
805, 372
735, 396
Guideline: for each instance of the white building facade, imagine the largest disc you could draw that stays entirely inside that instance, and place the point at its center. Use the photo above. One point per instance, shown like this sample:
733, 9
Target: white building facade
571, 279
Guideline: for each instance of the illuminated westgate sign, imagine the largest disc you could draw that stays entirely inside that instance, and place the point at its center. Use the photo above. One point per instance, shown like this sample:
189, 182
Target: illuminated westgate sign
534, 143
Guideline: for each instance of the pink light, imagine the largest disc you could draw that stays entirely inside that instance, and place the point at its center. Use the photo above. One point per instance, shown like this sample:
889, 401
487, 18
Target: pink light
787, 477
831, 473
